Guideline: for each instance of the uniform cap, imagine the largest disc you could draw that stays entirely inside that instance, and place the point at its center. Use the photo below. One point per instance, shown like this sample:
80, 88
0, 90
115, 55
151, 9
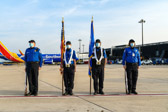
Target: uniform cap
98, 40
68, 42
32, 41
131, 41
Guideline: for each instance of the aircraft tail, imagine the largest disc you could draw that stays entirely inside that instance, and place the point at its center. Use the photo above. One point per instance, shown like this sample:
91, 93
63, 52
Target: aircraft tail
9, 55
21, 52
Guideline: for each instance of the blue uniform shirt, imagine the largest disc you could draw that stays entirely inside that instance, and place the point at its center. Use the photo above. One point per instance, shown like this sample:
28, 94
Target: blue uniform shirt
33, 55
131, 55
68, 55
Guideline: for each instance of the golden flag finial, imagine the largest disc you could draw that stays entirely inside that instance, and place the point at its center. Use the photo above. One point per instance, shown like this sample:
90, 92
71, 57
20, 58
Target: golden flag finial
62, 18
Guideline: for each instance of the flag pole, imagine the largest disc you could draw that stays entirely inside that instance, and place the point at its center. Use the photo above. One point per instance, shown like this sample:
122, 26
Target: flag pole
91, 84
25, 92
62, 52
90, 70
62, 83
62, 61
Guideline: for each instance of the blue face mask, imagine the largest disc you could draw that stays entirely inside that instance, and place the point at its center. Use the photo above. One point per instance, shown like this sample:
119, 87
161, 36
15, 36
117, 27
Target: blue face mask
97, 44
31, 44
132, 45
68, 46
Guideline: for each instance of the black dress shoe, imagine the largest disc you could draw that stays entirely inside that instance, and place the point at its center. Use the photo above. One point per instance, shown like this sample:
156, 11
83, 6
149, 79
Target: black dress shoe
66, 93
36, 94
95, 93
29, 94
101, 92
134, 92
70, 93
129, 92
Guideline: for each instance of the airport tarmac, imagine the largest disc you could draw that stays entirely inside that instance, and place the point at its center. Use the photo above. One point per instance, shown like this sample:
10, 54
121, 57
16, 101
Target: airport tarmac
152, 88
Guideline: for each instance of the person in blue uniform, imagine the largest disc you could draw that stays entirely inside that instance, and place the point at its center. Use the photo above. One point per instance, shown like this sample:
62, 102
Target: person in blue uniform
99, 60
69, 69
33, 60
131, 63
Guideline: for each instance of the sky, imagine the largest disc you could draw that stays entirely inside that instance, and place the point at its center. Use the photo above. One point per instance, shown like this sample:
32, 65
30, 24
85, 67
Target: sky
115, 22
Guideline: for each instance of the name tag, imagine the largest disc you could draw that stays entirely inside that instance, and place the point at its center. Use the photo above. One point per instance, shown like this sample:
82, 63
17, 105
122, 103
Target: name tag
133, 54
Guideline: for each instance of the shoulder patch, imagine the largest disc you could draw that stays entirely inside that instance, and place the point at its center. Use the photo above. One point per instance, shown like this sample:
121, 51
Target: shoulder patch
37, 49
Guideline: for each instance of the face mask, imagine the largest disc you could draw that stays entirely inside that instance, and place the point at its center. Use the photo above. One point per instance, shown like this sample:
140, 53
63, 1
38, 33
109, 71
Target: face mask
97, 44
68, 46
31, 44
132, 45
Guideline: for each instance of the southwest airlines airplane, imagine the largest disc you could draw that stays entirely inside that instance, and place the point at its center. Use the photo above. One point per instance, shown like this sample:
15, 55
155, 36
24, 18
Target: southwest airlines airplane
19, 58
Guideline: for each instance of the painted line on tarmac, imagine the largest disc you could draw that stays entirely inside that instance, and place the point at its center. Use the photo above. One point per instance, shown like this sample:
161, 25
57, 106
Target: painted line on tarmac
82, 98
148, 94
17, 96
95, 104
50, 84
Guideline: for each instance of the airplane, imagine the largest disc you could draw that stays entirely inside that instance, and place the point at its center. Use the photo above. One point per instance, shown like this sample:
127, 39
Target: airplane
2, 57
19, 58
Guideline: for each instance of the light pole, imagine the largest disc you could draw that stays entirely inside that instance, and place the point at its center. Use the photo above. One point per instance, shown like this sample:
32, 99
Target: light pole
80, 45
142, 21
83, 47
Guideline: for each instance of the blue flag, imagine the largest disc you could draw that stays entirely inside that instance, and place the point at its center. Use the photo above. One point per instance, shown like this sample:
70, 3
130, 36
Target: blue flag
91, 45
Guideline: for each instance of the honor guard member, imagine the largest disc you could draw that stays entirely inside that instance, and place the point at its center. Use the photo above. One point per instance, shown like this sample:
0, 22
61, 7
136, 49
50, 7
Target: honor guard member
131, 63
69, 68
99, 59
33, 60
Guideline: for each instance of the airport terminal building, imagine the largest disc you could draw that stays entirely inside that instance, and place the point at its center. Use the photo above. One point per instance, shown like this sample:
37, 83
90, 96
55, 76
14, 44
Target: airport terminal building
148, 51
